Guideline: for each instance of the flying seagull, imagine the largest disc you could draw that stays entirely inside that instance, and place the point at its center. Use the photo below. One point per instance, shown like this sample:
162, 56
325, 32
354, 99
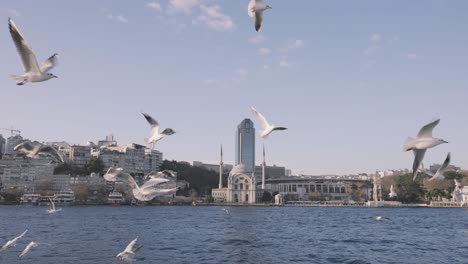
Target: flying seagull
155, 136
267, 128
34, 149
28, 247
129, 253
165, 174
392, 193
256, 9
32, 71
52, 209
147, 191
421, 143
12, 243
439, 175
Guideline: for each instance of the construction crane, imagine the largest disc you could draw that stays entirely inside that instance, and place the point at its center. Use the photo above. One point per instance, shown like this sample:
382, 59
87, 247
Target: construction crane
12, 131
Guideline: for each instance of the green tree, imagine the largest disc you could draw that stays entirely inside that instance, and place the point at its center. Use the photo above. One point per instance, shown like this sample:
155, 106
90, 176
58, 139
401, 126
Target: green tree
409, 191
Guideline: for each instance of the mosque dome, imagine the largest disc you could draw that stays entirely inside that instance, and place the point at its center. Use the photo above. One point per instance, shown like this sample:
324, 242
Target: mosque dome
240, 169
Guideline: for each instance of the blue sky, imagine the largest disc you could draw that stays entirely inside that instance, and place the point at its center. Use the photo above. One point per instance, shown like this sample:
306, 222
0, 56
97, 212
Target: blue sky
350, 79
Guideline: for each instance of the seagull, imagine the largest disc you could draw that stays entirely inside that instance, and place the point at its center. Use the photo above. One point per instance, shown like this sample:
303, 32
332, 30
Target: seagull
378, 218
256, 9
32, 71
12, 243
147, 191
392, 193
439, 175
267, 128
155, 136
129, 253
165, 174
28, 247
34, 149
52, 209
225, 210
421, 143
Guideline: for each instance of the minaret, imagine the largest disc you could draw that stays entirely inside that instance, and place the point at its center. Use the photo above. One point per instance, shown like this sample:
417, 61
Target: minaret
221, 169
263, 168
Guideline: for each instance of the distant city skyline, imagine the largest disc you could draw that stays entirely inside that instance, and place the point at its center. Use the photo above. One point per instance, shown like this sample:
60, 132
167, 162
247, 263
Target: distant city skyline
350, 80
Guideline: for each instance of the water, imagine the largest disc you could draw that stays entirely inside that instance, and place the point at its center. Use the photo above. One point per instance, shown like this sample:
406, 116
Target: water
246, 235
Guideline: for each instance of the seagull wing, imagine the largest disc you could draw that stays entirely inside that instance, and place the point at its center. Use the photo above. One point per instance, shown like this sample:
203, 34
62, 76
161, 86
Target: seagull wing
258, 21
251, 8
426, 131
52, 204
24, 50
440, 172
25, 146
111, 174
151, 120
50, 63
261, 119
127, 178
418, 157
152, 183
28, 247
130, 246
52, 152
168, 132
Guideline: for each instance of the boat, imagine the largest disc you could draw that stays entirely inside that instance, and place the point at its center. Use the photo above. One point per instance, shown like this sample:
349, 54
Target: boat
115, 198
64, 198
30, 199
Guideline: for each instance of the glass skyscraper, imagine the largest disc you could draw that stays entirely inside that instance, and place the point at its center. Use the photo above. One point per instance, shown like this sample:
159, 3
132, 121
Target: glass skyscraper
245, 144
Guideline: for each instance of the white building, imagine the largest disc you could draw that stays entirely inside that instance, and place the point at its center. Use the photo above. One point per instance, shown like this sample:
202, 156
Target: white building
80, 155
22, 172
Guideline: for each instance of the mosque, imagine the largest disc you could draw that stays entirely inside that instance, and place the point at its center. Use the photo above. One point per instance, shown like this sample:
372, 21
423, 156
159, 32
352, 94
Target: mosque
242, 184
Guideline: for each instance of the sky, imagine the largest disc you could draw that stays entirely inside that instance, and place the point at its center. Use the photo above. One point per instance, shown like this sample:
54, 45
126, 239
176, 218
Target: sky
350, 79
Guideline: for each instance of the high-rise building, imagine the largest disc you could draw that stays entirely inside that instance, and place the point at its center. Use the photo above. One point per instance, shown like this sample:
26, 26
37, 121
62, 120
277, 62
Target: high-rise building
2, 145
12, 142
245, 144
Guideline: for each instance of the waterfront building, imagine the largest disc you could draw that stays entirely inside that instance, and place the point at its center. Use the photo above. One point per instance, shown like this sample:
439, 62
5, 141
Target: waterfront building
299, 188
109, 141
132, 158
245, 145
242, 185
12, 142
2, 145
80, 155
19, 172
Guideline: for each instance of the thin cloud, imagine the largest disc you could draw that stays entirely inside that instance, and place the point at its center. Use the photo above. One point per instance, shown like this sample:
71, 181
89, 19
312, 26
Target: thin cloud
296, 44
284, 63
371, 50
376, 37
154, 5
264, 51
184, 6
242, 72
411, 56
214, 18
257, 39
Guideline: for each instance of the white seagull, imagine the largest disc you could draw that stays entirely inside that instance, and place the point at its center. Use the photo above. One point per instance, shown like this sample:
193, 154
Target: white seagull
34, 149
32, 71
392, 193
147, 191
129, 253
439, 175
267, 128
12, 243
155, 136
52, 209
256, 9
28, 247
421, 143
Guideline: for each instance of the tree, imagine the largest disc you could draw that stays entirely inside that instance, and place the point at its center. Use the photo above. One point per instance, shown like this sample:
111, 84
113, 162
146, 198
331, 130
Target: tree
409, 191
267, 198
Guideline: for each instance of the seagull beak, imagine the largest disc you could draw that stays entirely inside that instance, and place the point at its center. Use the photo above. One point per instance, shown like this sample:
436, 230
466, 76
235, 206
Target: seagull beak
55, 76
444, 141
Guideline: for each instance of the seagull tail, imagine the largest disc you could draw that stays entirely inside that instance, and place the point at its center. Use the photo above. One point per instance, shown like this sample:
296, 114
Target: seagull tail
17, 77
